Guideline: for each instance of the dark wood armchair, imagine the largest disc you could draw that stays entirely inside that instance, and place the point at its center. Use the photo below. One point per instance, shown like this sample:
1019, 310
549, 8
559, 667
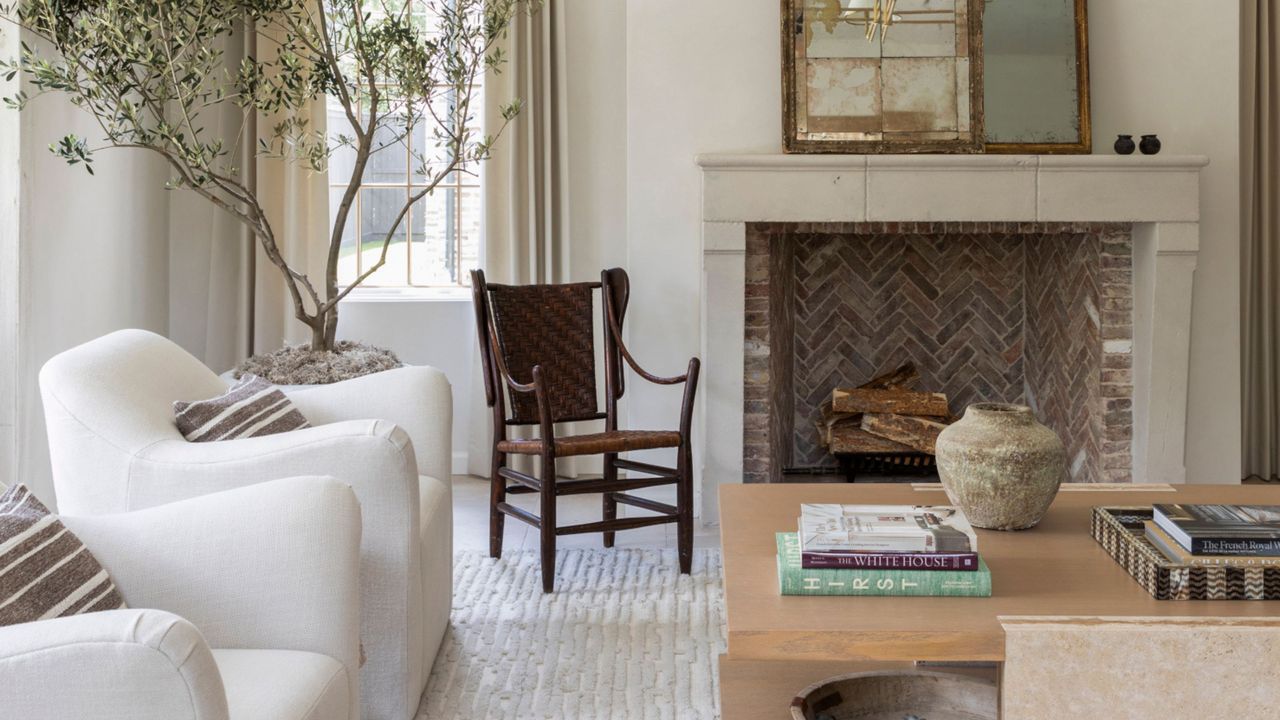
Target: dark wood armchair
537, 343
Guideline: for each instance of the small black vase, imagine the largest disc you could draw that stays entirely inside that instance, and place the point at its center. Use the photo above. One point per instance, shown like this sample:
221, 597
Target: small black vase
1124, 145
1150, 145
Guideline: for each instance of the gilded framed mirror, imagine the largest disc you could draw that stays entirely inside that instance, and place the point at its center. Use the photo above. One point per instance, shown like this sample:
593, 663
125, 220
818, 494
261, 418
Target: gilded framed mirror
882, 76
1036, 76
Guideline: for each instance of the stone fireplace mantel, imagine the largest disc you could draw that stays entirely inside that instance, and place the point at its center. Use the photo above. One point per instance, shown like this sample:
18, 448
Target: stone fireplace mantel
1159, 195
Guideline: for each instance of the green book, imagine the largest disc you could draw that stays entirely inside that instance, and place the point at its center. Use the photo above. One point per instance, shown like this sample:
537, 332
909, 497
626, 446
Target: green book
796, 580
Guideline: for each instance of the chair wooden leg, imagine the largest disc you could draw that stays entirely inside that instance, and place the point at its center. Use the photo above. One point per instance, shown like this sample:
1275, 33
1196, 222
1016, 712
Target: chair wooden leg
610, 504
684, 506
547, 528
497, 494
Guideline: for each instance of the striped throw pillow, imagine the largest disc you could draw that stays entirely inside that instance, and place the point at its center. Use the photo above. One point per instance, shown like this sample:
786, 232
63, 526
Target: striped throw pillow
45, 571
252, 407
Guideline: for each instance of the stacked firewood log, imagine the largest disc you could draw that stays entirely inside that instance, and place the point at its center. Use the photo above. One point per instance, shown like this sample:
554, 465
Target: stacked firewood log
884, 415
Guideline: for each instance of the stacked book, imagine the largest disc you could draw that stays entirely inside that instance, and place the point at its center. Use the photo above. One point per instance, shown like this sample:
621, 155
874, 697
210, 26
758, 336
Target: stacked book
922, 550
1228, 535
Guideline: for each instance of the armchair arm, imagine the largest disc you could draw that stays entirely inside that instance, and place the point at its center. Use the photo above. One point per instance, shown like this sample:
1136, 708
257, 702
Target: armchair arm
113, 665
271, 566
375, 457
616, 332
417, 398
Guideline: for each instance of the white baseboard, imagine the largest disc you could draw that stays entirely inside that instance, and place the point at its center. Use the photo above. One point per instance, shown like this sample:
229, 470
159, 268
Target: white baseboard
458, 466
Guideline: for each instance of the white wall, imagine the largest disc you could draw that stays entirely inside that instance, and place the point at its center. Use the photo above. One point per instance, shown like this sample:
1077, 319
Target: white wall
701, 77
704, 77
439, 333
597, 119
1173, 67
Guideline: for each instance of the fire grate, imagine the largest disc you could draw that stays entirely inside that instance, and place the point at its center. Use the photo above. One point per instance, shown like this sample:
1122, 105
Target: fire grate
909, 467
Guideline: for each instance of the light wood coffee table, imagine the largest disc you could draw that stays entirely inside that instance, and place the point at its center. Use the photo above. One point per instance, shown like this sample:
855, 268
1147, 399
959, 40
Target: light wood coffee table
778, 645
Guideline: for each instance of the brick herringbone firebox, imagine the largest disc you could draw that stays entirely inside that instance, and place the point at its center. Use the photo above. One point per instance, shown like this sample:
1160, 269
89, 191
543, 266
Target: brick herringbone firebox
1033, 313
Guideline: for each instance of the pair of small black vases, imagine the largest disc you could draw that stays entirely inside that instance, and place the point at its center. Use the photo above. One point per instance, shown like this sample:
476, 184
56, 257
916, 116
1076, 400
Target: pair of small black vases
1150, 145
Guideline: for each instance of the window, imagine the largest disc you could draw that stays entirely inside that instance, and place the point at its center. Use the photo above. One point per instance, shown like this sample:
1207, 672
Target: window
439, 241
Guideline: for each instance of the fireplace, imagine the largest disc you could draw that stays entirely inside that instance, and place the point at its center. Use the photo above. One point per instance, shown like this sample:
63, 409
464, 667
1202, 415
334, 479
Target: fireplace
1031, 313
1130, 224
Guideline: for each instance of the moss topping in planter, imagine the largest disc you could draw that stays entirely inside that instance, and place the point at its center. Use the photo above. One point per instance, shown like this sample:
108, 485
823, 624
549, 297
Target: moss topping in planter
300, 365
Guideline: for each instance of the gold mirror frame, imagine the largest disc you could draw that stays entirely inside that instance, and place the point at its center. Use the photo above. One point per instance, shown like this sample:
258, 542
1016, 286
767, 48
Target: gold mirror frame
792, 14
1084, 145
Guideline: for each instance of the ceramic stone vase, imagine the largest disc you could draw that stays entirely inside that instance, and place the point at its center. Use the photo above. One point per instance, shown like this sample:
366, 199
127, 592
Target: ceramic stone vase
1000, 466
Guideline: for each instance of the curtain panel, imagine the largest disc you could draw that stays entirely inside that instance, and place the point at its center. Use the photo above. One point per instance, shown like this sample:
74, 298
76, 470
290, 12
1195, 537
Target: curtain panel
209, 257
222, 284
1260, 231
296, 201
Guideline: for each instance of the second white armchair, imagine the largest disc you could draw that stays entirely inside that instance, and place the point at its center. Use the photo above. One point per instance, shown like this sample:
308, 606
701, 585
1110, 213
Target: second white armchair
242, 605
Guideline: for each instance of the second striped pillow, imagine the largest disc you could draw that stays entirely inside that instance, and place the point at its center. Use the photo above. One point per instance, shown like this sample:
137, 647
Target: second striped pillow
45, 571
250, 408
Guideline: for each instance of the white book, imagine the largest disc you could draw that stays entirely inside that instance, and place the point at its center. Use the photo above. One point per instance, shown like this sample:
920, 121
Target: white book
828, 527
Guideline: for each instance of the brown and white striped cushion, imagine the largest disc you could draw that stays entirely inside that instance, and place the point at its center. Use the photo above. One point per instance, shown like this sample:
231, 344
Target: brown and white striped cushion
252, 407
45, 571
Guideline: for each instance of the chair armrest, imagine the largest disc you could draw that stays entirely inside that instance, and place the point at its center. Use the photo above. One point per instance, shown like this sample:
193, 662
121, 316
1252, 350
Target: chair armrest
113, 665
615, 332
375, 457
271, 566
417, 398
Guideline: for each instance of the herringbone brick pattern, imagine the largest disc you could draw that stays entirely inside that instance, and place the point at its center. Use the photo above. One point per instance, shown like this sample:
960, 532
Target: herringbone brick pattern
952, 304
1017, 312
1064, 345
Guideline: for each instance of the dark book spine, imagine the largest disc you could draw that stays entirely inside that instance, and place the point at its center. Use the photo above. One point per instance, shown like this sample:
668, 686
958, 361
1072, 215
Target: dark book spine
889, 561
1234, 547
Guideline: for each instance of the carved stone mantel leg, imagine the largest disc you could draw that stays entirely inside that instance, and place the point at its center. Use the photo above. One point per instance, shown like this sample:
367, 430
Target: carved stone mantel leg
1164, 257
723, 304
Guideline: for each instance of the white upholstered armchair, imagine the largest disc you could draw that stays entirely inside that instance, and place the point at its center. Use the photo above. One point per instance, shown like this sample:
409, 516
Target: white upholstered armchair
114, 446
243, 605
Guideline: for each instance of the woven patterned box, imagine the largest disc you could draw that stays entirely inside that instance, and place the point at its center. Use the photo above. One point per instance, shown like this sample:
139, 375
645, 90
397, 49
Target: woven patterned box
1121, 532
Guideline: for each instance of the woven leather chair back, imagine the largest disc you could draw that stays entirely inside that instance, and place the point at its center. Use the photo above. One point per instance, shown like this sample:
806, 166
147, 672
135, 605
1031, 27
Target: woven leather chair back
551, 326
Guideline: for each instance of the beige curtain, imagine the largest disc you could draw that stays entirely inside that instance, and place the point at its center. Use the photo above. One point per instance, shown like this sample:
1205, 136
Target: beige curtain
1260, 256
296, 201
297, 205
208, 276
226, 300
525, 183
209, 252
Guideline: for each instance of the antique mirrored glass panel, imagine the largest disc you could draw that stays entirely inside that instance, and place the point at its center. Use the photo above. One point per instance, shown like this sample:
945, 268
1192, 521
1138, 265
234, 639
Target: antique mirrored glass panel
882, 75
1036, 76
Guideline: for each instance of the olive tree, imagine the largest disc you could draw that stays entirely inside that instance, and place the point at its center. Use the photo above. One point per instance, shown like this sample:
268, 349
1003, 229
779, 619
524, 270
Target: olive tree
154, 73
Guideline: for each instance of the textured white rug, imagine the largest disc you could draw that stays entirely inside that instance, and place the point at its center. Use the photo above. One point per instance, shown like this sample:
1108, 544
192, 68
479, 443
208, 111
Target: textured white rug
624, 636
